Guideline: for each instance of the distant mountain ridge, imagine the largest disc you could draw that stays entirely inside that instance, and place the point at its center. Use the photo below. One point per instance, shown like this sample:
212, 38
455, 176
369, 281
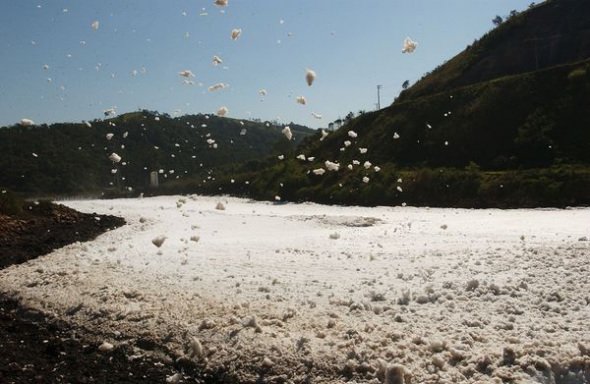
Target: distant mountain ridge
72, 158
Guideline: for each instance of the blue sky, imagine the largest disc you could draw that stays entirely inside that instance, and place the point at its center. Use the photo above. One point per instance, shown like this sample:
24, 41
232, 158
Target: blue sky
353, 45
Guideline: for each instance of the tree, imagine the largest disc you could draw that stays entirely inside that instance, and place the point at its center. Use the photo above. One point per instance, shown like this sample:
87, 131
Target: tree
534, 142
497, 20
349, 116
406, 84
513, 13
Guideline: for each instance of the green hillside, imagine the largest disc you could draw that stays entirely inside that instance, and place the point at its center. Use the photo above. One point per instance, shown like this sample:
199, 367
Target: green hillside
67, 158
494, 126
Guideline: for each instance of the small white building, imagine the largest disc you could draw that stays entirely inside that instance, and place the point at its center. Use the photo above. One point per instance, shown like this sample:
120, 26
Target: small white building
154, 183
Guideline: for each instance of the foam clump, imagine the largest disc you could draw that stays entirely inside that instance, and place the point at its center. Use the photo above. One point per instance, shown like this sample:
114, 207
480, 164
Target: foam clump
222, 111
236, 33
27, 122
106, 347
159, 240
174, 379
267, 363
196, 348
114, 157
287, 132
217, 87
409, 45
396, 374
187, 73
331, 166
310, 76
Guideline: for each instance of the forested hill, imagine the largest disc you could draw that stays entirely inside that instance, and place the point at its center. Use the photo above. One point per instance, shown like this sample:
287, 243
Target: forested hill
504, 123
73, 158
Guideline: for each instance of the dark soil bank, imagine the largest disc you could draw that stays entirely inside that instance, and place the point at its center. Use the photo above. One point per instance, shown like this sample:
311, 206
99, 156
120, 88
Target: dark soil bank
38, 349
44, 227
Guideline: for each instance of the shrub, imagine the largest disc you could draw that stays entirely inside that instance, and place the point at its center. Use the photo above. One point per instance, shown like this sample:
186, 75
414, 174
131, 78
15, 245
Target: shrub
10, 204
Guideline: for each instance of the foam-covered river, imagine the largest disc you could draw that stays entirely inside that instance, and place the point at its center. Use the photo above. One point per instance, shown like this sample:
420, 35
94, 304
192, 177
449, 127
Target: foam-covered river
332, 293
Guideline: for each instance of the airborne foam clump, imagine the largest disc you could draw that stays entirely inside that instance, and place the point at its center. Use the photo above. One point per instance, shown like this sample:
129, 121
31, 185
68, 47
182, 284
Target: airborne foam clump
221, 3
366, 179
222, 111
217, 60
95, 25
236, 33
287, 132
319, 171
316, 115
26, 122
409, 45
301, 100
324, 135
262, 92
159, 240
395, 135
331, 166
109, 136
114, 157
216, 87
352, 134
310, 76
187, 73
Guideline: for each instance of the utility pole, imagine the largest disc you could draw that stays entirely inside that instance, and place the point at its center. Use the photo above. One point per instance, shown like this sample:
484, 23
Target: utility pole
379, 96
